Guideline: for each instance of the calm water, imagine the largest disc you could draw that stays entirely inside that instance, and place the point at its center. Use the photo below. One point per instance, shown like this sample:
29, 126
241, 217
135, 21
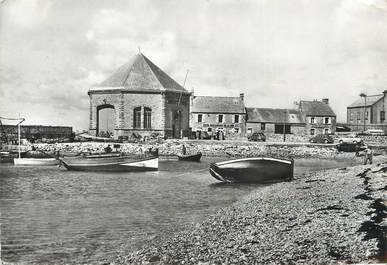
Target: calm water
50, 215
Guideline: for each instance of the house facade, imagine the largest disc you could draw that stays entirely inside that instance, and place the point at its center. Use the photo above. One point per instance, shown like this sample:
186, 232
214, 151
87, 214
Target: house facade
223, 114
274, 121
368, 112
139, 98
318, 116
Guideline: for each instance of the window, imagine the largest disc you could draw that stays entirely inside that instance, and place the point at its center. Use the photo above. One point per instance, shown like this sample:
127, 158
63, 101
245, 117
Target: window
209, 129
200, 117
147, 118
236, 118
382, 115
327, 120
236, 130
326, 131
137, 117
312, 131
351, 116
279, 129
249, 130
358, 116
312, 120
366, 115
220, 118
263, 126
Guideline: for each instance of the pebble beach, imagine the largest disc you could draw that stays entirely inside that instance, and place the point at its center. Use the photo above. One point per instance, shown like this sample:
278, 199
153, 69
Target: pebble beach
330, 217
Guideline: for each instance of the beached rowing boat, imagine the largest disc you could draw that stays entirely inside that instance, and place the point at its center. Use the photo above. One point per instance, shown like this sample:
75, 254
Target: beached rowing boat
121, 163
35, 161
255, 169
194, 157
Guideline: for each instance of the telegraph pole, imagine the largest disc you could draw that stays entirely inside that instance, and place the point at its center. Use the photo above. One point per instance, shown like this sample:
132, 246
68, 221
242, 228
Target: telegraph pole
364, 110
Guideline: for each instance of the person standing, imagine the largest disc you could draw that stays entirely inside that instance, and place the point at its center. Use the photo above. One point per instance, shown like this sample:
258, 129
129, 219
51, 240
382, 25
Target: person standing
368, 155
184, 150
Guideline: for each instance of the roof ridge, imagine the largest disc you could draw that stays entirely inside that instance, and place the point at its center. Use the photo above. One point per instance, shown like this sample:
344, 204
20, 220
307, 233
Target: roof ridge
146, 60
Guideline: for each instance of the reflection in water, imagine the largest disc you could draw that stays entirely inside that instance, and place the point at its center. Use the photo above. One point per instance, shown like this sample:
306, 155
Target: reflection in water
51, 215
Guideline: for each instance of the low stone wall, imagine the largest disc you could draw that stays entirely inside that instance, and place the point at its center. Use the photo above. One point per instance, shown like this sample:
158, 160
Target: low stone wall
207, 148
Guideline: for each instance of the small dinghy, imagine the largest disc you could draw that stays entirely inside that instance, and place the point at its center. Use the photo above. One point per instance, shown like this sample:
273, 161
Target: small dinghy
35, 161
195, 157
253, 170
112, 163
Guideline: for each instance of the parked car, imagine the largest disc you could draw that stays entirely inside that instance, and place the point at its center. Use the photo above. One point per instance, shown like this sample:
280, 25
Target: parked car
374, 132
321, 138
351, 147
351, 138
257, 137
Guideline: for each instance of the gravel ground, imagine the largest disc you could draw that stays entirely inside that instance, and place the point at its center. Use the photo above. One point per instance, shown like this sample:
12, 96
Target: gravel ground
330, 217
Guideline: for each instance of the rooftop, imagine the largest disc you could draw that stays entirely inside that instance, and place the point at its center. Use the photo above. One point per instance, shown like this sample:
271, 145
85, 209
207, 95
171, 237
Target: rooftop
269, 115
316, 108
370, 100
140, 74
206, 104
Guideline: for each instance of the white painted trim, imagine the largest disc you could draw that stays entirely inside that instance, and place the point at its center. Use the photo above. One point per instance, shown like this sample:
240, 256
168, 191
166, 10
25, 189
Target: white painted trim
254, 158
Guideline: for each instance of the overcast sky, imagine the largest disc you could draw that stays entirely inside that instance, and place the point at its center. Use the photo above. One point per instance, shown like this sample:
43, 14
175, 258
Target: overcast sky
275, 51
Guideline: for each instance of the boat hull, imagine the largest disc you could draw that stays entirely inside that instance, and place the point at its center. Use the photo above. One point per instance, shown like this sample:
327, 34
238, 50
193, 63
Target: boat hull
35, 162
253, 170
111, 164
195, 157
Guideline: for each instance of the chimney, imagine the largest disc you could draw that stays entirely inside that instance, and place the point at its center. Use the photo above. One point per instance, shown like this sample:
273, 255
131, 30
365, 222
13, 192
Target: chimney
242, 96
325, 100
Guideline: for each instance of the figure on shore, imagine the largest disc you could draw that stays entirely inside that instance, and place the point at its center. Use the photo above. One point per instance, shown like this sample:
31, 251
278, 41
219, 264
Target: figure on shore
368, 155
184, 150
108, 149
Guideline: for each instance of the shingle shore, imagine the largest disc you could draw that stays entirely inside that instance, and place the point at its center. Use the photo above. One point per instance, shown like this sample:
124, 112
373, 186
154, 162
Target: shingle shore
328, 217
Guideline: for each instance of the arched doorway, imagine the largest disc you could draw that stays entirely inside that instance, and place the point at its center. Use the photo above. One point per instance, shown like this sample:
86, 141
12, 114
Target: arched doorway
105, 120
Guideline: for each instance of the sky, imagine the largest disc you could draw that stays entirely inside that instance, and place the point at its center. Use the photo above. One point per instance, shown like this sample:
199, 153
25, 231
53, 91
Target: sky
276, 52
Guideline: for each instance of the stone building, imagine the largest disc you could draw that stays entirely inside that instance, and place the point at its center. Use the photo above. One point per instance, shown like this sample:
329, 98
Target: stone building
213, 114
274, 121
368, 112
318, 116
139, 98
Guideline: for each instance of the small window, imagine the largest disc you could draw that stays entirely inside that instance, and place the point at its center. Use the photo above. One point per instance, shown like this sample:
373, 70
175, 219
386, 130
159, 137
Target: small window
312, 131
236, 118
366, 115
312, 120
249, 130
137, 117
327, 120
263, 126
209, 129
351, 116
326, 131
358, 116
220, 118
200, 117
236, 130
382, 115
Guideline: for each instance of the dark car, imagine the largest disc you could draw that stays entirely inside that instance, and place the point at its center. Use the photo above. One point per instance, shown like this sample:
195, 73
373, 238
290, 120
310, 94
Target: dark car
321, 138
351, 147
257, 137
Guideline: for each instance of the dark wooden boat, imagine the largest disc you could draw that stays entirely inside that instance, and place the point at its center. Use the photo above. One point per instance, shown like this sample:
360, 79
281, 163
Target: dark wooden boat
112, 163
195, 157
253, 170
351, 147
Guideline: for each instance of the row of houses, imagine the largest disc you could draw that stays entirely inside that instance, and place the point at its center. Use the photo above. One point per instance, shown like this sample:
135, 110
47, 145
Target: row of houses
231, 116
141, 98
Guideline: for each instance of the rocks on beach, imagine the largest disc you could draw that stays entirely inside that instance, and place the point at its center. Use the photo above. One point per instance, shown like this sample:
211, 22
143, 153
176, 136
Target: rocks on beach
315, 219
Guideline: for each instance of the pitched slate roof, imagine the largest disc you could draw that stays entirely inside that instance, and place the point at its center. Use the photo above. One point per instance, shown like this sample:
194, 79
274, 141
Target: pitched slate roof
140, 74
315, 108
218, 105
269, 115
370, 100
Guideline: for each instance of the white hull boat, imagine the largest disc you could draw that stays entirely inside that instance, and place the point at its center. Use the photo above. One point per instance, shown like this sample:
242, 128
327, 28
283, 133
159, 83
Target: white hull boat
35, 162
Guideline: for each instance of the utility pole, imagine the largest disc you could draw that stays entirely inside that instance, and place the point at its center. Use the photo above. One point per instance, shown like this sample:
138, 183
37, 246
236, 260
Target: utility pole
364, 110
284, 125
